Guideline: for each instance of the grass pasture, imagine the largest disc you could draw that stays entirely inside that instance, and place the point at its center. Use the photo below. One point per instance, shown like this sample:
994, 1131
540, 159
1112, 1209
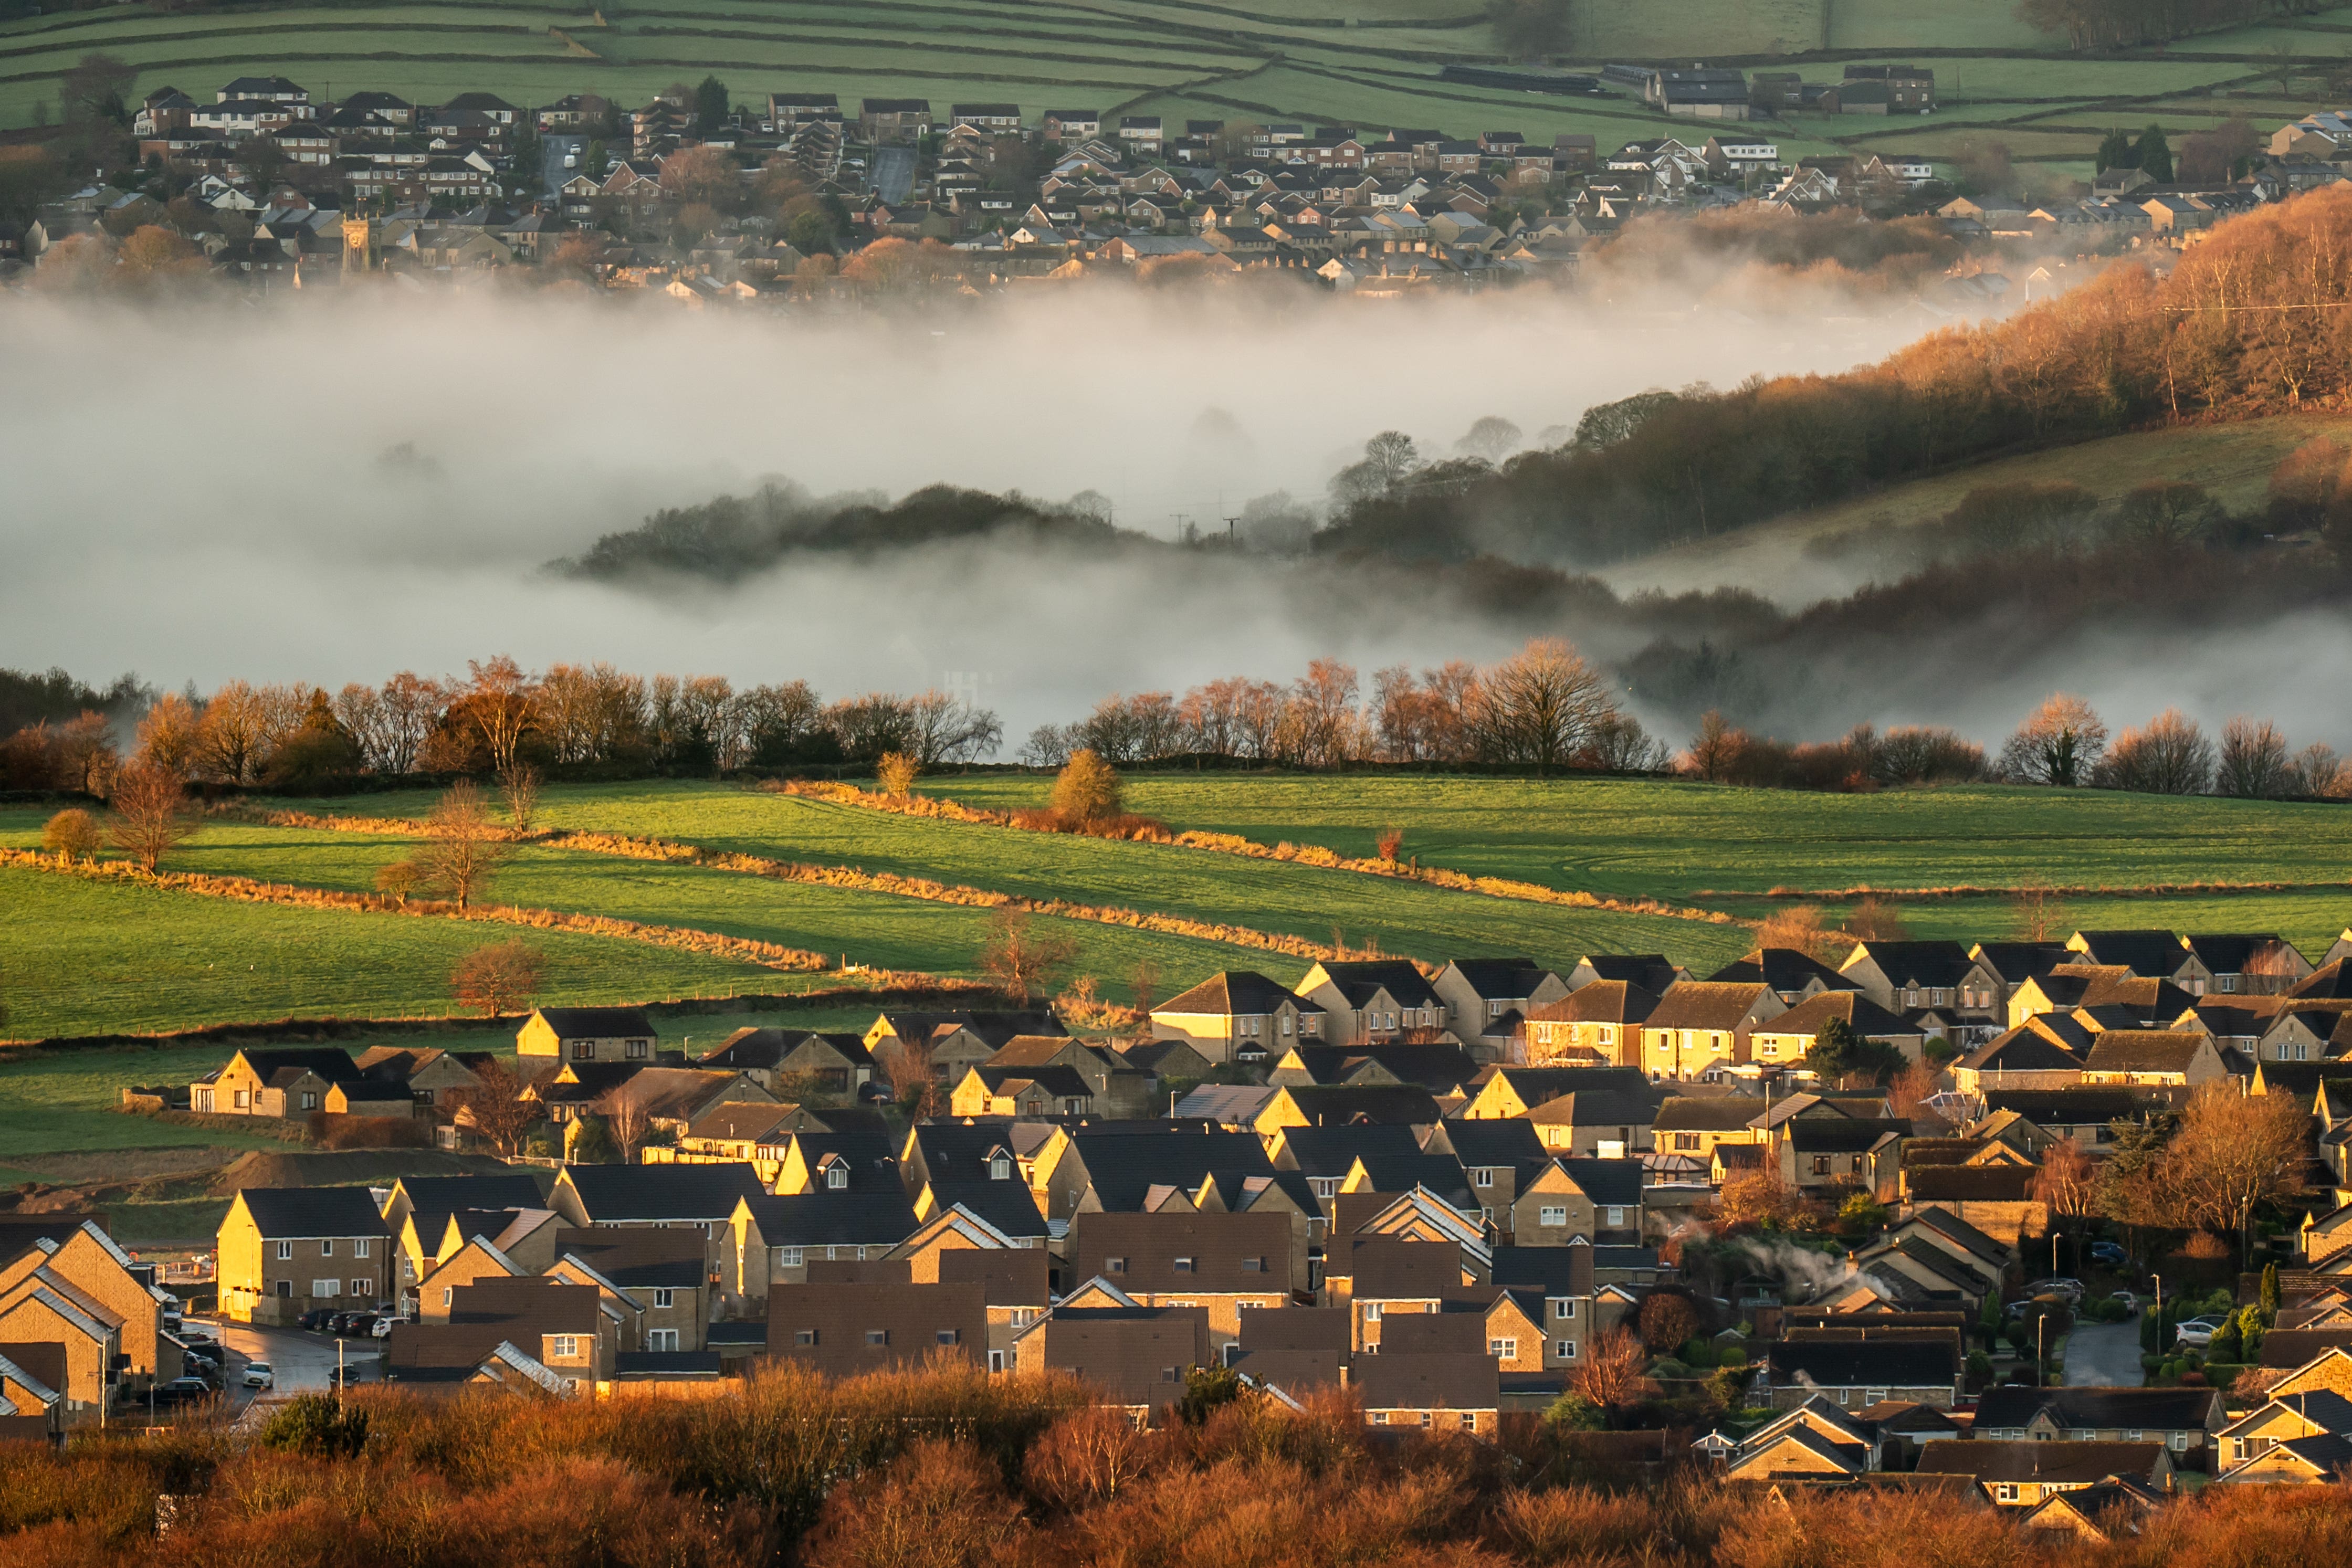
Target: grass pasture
1369, 63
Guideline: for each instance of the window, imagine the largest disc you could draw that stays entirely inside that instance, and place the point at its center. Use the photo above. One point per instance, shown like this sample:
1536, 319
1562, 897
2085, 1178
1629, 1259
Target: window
285, 1289
661, 1339
284, 1251
804, 1336
635, 1050
1563, 1308
2181, 1442
1552, 1214
360, 1246
1820, 1165
1685, 1143
995, 1361
1285, 1025
788, 1257
1483, 1176
1494, 1009
583, 1051
2006, 1491
1168, 1374
326, 1287
1429, 1418
1616, 1215
666, 1298
1507, 1349
878, 1336
837, 1177
1253, 1265
564, 1347
365, 1288
447, 1292
1114, 1265
1469, 1421
1183, 1265
1371, 1311
242, 1099
1874, 1395
1000, 1167
950, 1337
310, 1099
325, 1249
1377, 1418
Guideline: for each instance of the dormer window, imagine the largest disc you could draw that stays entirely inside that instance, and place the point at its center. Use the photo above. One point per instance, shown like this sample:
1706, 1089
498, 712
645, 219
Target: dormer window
999, 1166
837, 1177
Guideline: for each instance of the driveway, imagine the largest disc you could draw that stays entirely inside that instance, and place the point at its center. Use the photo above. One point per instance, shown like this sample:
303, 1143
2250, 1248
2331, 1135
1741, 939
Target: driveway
2104, 1356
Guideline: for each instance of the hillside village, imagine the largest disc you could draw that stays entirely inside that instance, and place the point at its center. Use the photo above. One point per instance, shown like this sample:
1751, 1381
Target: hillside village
1791, 1222
791, 196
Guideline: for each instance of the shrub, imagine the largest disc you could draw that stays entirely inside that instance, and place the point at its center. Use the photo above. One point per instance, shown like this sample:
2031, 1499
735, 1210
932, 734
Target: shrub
71, 835
317, 1425
1088, 789
896, 772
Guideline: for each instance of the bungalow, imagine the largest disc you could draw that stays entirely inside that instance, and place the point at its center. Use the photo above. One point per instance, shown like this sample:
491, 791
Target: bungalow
1814, 1442
2022, 1474
826, 1063
1024, 1091
587, 1034
1859, 1371
292, 1081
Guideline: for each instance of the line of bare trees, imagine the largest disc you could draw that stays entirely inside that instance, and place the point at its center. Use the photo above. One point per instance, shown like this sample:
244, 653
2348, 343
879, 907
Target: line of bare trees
1544, 706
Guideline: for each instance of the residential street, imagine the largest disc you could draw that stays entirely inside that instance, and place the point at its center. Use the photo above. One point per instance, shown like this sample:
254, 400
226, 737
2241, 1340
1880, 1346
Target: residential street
2104, 1356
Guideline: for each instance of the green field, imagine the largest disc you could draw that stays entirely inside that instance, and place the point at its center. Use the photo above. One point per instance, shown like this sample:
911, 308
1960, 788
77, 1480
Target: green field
86, 958
1369, 63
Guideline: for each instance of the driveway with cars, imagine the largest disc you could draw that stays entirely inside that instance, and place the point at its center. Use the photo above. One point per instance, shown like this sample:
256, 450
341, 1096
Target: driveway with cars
300, 1362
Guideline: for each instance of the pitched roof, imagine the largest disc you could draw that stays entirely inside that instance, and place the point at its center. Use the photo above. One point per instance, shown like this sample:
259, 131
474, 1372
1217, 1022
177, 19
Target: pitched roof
1859, 1363
1508, 978
1969, 1183
2142, 1051
1988, 1459
2152, 954
1428, 1380
1400, 977
1389, 1267
638, 1193
1554, 1271
1327, 1105
1437, 1068
1783, 970
1858, 1012
2168, 1409
1603, 1001
1941, 965
503, 1189
1612, 1184
1706, 1113
301, 1212
1233, 991
832, 1218
1705, 1004
334, 1065
2079, 1106
596, 1023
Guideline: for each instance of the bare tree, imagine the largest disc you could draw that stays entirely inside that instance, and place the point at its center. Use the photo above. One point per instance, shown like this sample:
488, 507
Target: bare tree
2041, 917
410, 704
2318, 771
628, 1117
948, 730
500, 977
151, 816
2253, 764
2066, 1183
1144, 986
2234, 1152
1023, 958
1542, 705
399, 879
896, 773
230, 740
1714, 749
2059, 743
495, 1105
1910, 1089
1610, 1372
502, 702
169, 735
519, 785
2170, 756
462, 848
914, 1085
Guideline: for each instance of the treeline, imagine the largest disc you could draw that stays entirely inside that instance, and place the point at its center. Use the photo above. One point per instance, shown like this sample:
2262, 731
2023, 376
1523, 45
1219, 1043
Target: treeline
499, 717
2247, 323
954, 1469
2115, 23
1544, 708
732, 537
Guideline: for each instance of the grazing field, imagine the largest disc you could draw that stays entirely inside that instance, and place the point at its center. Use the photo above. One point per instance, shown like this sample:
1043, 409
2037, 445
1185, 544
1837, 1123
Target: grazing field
80, 957
1679, 840
1273, 897
1371, 63
2311, 920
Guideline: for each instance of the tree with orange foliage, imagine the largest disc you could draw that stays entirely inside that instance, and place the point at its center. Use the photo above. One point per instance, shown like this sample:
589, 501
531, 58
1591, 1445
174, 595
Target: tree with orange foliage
898, 265
1610, 1372
702, 174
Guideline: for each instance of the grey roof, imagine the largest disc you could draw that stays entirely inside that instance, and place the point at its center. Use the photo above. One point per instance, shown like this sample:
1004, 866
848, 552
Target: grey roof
1988, 1459
832, 1218
329, 1062
1357, 980
1858, 1363
490, 1190
1428, 1380
1331, 1151
1007, 1205
1783, 970
1330, 1104
308, 1211
1615, 1184
1495, 1141
1124, 1168
1507, 978
1554, 1271
597, 1024
703, 1192
2168, 1409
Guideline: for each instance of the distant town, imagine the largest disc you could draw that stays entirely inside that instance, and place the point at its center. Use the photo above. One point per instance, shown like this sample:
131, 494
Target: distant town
711, 198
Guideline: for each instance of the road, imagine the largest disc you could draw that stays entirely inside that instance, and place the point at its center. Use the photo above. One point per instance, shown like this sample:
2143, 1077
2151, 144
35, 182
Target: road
2104, 1356
892, 173
299, 1363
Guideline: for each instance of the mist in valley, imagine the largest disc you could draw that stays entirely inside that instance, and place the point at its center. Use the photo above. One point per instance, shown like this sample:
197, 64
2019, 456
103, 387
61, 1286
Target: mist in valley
330, 490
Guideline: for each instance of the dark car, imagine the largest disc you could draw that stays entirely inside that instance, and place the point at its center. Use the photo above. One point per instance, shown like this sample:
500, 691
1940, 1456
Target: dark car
197, 1339
316, 1320
2110, 1253
183, 1391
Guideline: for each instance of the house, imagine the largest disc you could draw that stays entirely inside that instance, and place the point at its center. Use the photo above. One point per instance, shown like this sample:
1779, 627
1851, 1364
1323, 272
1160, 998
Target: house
1653, 972
1294, 1351
2022, 1475
1794, 976
2149, 955
1700, 1028
800, 1060
2046, 1052
672, 1100
948, 1042
1366, 1000
33, 1376
1789, 1037
1909, 89
775, 1239
1495, 1156
82, 1263
1230, 1264
894, 118
1861, 1371
2185, 1420
290, 1081
1597, 1199
673, 1197
660, 1277
587, 1034
1482, 994
2302, 1437
2158, 1058
1376, 1276
1320, 1105
284, 1251
1833, 1153
844, 1328
1596, 1023
1693, 1125
1509, 1090
419, 1077
1815, 1441
1138, 1355
1072, 124
1440, 1069
558, 1327
2248, 962
1435, 1390
1027, 1092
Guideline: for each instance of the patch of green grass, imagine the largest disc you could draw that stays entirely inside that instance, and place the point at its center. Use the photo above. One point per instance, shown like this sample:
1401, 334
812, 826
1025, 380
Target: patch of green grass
1672, 839
80, 957
2312, 921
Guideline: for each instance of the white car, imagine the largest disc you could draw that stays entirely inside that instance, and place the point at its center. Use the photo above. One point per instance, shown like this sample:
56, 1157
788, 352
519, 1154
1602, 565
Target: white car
258, 1375
2127, 1299
382, 1329
2198, 1333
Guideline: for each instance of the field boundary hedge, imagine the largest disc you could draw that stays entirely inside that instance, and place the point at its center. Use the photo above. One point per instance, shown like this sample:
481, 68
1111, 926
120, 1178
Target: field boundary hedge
1505, 888
633, 847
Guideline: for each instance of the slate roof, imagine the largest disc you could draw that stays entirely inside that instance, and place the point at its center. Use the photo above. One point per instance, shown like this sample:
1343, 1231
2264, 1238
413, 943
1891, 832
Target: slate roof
1507, 978
1705, 1004
2078, 1107
1603, 1001
301, 1212
1436, 1068
2151, 954
597, 1023
1553, 1270
2165, 1409
1231, 992
1428, 1380
1941, 965
1857, 1364
1125, 1167
833, 1218
1653, 972
1007, 1205
2142, 1051
1865, 1017
1495, 1141
612, 1194
333, 1065
1969, 1183
1706, 1113
1987, 1459
1331, 1104
1358, 979
1783, 970
1615, 1184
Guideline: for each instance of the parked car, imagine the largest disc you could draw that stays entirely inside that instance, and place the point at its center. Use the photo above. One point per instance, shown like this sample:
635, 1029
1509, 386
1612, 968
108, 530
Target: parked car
383, 1327
2127, 1299
2109, 1253
356, 1325
2068, 1290
198, 1339
257, 1374
183, 1391
2197, 1332
316, 1320
343, 1377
